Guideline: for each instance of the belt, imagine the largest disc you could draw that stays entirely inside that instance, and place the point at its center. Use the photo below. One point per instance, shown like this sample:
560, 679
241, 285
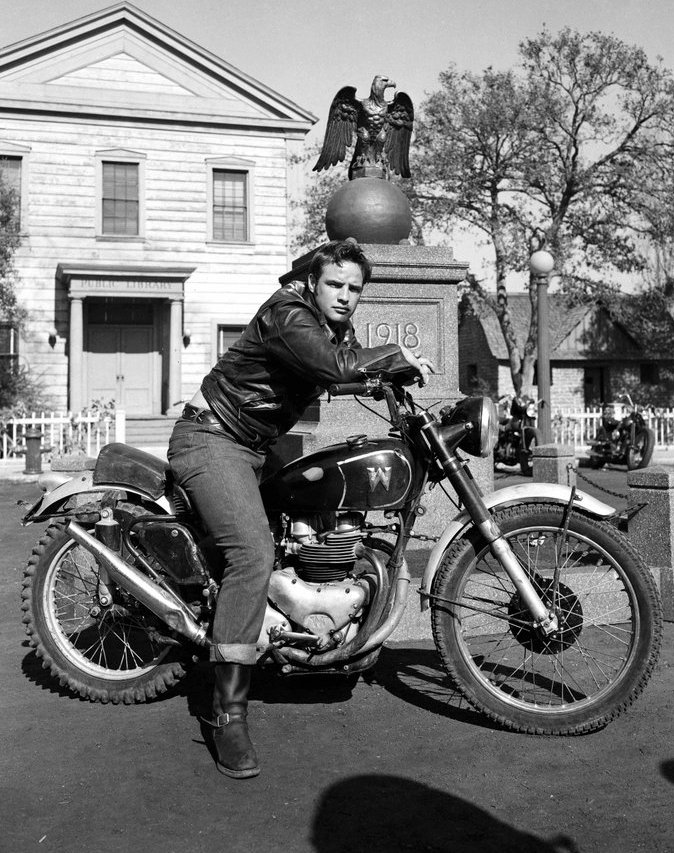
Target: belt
199, 416
206, 416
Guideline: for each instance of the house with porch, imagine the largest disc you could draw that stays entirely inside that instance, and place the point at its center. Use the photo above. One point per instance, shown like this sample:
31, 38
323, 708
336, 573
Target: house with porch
593, 355
152, 178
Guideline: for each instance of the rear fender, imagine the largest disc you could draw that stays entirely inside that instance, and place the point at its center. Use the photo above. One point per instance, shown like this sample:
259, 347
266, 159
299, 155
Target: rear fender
53, 501
513, 495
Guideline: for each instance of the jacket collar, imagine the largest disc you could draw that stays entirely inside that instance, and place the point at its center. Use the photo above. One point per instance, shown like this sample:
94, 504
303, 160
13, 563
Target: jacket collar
343, 333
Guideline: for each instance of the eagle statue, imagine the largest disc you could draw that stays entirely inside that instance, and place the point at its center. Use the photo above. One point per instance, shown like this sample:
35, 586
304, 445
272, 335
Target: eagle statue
381, 130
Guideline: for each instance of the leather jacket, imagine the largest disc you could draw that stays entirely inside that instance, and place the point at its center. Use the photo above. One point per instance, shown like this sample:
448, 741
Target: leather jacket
284, 359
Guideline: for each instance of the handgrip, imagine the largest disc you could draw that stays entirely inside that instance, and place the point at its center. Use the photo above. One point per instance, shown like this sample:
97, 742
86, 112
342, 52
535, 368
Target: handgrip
342, 389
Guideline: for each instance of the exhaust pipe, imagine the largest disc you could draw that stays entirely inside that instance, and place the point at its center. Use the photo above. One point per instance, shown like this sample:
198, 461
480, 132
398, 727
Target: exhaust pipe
168, 607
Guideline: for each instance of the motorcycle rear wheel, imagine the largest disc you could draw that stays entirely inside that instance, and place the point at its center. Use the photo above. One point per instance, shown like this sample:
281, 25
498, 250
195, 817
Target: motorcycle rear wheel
570, 682
106, 656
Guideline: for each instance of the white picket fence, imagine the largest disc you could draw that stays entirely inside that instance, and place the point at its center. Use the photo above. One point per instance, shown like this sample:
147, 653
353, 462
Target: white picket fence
89, 431
61, 432
579, 426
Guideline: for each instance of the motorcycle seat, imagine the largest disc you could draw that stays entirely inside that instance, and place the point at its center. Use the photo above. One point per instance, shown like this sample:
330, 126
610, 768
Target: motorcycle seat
122, 465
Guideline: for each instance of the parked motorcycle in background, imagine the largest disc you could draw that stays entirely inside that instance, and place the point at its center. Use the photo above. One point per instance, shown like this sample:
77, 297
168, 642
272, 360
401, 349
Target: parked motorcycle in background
623, 437
517, 435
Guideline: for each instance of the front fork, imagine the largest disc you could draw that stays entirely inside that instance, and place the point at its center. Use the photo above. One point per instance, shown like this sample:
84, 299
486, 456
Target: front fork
468, 491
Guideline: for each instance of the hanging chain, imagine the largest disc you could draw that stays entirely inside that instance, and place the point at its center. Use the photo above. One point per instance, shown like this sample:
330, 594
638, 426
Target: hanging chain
601, 488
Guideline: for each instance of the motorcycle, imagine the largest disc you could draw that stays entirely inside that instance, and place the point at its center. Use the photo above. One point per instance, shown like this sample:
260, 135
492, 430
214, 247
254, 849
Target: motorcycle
545, 617
623, 437
517, 435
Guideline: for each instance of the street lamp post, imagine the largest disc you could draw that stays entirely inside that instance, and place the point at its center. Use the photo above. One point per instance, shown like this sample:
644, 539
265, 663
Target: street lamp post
541, 265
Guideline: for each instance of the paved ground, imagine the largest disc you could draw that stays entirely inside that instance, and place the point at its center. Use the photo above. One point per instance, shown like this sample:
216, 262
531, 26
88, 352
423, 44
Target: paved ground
396, 765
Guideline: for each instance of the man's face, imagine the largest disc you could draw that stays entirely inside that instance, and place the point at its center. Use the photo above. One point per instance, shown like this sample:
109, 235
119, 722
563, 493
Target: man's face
337, 291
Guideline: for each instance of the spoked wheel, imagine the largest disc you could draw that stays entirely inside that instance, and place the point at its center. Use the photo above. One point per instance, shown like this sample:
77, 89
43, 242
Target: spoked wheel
610, 623
105, 652
639, 455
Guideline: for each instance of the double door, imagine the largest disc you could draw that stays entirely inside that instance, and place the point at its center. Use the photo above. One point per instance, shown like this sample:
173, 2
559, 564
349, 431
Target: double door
123, 365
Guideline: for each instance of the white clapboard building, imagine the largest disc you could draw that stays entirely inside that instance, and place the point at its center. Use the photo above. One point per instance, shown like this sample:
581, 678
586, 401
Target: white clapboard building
154, 213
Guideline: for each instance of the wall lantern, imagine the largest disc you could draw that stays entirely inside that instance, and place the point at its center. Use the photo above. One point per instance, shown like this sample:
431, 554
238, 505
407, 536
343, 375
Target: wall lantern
52, 333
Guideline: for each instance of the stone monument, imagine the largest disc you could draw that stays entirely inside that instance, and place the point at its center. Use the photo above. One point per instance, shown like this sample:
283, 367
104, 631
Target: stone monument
411, 298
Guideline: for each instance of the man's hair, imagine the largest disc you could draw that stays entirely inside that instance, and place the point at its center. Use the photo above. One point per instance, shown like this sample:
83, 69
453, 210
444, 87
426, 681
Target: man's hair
336, 252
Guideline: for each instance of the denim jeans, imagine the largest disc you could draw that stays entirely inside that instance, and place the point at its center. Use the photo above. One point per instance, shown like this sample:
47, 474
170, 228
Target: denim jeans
221, 478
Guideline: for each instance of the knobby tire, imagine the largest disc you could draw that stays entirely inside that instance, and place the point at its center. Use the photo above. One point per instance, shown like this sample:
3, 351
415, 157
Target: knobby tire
610, 614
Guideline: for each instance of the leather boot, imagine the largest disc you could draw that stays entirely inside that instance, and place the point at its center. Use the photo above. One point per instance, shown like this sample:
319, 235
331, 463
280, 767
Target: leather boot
236, 753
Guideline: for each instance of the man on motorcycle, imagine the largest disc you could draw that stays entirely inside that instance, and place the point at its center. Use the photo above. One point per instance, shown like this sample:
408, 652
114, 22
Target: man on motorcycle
298, 343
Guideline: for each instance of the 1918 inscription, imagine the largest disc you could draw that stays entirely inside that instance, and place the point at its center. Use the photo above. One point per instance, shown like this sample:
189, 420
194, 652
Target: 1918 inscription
403, 334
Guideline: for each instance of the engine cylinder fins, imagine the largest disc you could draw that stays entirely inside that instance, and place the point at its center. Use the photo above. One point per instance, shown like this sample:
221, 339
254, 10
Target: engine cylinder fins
330, 560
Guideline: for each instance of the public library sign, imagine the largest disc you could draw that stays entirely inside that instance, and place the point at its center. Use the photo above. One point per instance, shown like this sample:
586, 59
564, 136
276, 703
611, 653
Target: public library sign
120, 281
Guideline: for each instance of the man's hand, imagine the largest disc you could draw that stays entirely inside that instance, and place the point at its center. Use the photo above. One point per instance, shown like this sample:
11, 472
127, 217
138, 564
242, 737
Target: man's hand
422, 365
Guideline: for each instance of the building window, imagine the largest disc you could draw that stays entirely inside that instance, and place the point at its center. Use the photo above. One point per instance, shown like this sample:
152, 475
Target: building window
226, 336
649, 373
9, 348
14, 172
230, 206
120, 179
230, 190
10, 170
120, 198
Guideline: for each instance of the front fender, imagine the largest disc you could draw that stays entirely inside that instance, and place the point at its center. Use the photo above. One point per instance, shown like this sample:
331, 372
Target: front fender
526, 493
52, 502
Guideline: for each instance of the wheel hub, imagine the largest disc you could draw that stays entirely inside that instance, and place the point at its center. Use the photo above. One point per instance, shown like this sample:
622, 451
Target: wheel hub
567, 609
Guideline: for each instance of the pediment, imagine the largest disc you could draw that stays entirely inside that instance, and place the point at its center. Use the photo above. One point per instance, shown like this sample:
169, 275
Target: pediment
138, 76
123, 61
598, 334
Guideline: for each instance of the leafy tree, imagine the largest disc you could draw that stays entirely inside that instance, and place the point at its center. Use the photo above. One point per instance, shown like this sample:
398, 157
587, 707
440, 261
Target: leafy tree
550, 156
15, 380
310, 210
10, 238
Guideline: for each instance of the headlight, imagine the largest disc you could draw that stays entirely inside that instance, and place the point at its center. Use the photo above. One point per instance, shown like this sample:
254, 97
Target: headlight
481, 413
531, 410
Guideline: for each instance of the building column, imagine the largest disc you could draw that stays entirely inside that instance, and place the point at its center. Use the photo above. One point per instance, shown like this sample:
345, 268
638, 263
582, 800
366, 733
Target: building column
175, 354
76, 349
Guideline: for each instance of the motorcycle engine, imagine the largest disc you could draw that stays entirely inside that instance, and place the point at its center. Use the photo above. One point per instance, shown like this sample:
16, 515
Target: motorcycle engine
315, 589
324, 546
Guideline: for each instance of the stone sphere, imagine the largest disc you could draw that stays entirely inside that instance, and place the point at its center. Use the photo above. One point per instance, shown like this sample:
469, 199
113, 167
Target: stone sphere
371, 210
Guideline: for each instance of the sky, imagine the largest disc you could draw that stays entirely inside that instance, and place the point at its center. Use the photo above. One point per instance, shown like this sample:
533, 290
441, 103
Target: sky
308, 49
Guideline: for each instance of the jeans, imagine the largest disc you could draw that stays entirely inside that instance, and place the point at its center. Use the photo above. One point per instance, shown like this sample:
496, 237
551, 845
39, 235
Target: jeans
221, 478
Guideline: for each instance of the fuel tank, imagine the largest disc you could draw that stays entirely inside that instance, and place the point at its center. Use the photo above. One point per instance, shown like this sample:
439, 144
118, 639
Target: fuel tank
359, 474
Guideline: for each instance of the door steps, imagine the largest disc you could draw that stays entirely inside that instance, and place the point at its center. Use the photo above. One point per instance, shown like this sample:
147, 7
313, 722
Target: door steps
149, 430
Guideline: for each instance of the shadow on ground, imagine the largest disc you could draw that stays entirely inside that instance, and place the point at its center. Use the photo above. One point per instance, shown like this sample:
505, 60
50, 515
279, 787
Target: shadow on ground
381, 813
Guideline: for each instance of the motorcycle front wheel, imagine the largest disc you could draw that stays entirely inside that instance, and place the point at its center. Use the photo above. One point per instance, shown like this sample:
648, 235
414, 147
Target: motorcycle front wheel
104, 654
640, 453
576, 679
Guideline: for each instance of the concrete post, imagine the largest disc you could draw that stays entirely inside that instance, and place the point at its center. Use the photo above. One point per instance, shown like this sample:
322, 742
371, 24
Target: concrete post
33, 451
75, 351
651, 527
554, 463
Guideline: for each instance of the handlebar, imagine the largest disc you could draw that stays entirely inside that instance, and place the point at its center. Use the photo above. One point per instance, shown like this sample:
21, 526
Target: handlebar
379, 388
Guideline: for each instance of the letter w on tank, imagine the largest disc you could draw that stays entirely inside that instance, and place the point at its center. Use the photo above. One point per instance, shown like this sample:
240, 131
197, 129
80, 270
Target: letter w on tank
379, 475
